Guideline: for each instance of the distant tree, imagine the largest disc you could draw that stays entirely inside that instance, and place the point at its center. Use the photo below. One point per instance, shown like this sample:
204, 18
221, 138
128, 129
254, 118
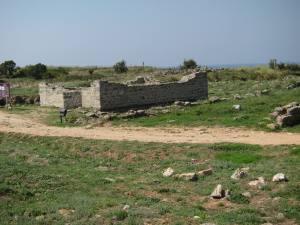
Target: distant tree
189, 64
281, 66
37, 71
293, 67
273, 64
91, 71
8, 67
120, 67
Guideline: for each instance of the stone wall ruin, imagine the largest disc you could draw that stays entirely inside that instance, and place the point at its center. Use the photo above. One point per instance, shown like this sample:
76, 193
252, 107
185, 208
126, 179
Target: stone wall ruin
107, 96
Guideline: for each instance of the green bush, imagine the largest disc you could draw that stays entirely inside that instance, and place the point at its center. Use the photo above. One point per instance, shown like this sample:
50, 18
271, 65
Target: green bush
189, 64
292, 67
120, 67
120, 215
7, 68
37, 71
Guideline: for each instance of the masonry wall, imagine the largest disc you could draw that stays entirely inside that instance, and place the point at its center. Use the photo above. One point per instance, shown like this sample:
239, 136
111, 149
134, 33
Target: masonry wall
115, 96
72, 99
51, 95
58, 96
91, 95
107, 96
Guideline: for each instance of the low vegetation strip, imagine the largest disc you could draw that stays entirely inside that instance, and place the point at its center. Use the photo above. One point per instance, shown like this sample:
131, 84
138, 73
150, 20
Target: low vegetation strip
50, 180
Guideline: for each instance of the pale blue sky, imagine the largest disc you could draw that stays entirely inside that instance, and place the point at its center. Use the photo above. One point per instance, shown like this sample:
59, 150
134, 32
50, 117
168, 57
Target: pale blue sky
158, 32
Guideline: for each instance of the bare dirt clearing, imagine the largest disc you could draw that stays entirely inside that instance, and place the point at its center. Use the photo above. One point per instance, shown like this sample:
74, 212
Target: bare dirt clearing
21, 124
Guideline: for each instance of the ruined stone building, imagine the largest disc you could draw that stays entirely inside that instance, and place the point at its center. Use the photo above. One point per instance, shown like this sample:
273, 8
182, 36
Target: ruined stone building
106, 96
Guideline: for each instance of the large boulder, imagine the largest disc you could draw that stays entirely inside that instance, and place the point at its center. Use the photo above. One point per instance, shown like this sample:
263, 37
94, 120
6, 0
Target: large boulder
288, 115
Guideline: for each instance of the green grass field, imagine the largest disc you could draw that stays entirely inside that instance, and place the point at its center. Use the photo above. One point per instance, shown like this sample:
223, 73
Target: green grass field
48, 180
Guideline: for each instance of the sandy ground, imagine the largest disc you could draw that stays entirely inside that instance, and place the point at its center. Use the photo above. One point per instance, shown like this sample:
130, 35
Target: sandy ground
18, 124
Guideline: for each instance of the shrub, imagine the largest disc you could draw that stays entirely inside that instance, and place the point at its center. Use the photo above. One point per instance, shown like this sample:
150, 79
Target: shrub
281, 66
37, 71
120, 67
8, 67
91, 71
273, 64
120, 215
293, 67
189, 64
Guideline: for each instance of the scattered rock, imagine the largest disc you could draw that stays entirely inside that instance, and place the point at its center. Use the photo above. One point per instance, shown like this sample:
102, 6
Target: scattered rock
279, 177
265, 92
195, 103
179, 103
227, 193
188, 176
273, 126
168, 172
218, 192
276, 200
280, 216
66, 212
288, 115
290, 105
126, 207
109, 179
240, 173
259, 182
247, 194
102, 168
206, 172
91, 115
134, 113
196, 217
278, 111
237, 107
39, 218
237, 97
107, 117
187, 103
214, 99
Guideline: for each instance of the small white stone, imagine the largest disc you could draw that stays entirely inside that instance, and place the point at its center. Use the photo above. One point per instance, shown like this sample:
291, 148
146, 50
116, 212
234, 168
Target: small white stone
168, 172
126, 207
237, 107
279, 177
247, 194
259, 182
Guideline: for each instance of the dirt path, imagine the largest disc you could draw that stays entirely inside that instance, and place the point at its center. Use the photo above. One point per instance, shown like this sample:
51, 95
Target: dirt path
18, 124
